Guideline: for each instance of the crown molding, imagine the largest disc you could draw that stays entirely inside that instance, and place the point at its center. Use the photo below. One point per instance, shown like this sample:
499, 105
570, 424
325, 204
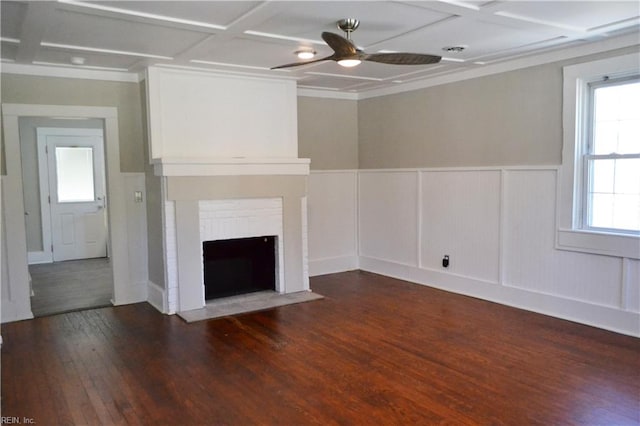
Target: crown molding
546, 57
319, 93
67, 72
555, 55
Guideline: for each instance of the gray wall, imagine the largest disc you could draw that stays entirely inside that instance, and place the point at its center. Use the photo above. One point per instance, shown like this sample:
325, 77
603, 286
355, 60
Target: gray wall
328, 132
24, 89
512, 118
30, 174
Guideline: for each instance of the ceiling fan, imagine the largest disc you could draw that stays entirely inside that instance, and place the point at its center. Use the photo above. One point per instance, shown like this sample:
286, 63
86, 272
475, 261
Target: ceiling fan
347, 54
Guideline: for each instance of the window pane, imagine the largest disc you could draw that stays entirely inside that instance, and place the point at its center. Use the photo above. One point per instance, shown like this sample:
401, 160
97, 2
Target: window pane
601, 211
613, 196
606, 137
602, 176
627, 176
74, 170
616, 121
624, 206
629, 137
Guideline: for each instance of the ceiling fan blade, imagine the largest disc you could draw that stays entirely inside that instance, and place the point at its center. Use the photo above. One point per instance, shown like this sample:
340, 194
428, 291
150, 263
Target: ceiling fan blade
295, 64
340, 45
403, 58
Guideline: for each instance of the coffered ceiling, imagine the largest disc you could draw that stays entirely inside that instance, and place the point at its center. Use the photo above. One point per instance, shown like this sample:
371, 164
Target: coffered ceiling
253, 36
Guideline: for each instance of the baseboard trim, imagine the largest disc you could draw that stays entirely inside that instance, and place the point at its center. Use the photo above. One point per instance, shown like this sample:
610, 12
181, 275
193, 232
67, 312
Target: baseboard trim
37, 257
11, 312
332, 265
156, 297
135, 293
605, 317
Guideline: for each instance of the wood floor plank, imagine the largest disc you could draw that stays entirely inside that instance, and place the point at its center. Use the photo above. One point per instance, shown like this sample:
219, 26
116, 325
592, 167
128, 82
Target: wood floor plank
375, 351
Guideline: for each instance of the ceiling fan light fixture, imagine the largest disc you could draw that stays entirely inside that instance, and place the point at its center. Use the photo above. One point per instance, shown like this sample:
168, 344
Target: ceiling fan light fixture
305, 53
349, 63
348, 55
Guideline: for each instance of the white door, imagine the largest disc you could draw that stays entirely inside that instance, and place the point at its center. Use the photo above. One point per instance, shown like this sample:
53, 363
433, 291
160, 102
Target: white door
75, 163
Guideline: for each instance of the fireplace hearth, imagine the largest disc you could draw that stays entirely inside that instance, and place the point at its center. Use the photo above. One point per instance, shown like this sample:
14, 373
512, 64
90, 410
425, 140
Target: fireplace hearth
239, 266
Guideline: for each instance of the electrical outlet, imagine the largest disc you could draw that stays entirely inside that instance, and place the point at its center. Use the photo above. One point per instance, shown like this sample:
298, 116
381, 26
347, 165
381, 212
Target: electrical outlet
445, 261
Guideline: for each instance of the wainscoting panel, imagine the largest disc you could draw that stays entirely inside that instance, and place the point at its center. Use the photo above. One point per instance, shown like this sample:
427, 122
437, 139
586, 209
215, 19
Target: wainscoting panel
460, 217
532, 263
388, 216
332, 215
631, 296
498, 227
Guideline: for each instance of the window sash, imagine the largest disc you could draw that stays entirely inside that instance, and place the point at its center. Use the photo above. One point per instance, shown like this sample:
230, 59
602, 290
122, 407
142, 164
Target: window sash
589, 161
589, 158
570, 233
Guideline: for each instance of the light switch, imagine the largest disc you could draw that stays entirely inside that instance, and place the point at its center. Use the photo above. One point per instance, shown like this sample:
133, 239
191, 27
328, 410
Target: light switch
137, 196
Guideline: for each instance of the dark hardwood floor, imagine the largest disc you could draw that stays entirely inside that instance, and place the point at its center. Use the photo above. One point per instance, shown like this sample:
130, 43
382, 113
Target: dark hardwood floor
375, 351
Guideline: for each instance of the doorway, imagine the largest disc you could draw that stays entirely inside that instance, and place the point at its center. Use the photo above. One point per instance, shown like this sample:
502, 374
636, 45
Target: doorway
72, 194
66, 214
16, 289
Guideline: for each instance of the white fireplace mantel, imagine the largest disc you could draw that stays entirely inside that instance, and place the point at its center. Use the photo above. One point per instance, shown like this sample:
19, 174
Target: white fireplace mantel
228, 140
235, 166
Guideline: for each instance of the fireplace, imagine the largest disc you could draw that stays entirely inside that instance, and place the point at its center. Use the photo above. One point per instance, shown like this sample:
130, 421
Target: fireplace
222, 179
239, 266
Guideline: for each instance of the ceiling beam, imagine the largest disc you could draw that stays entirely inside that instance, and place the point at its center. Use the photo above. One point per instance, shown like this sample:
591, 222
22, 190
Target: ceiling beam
37, 20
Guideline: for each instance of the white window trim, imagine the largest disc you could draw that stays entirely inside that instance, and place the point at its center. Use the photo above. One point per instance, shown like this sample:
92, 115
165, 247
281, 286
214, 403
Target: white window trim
570, 236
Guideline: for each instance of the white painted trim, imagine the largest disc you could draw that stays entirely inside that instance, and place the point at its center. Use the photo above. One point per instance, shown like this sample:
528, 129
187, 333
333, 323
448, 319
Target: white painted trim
419, 212
569, 236
37, 257
626, 246
502, 239
67, 72
45, 207
19, 307
462, 169
230, 166
626, 284
609, 318
332, 265
157, 297
356, 217
329, 94
226, 73
16, 303
62, 111
132, 293
316, 171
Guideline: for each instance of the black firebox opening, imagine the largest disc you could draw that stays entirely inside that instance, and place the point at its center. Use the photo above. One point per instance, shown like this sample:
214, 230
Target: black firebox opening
239, 266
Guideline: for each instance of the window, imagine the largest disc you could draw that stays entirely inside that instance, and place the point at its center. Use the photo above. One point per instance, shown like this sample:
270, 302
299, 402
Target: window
599, 179
74, 172
611, 163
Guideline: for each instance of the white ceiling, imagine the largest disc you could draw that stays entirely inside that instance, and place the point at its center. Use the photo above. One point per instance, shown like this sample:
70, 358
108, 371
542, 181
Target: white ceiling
253, 36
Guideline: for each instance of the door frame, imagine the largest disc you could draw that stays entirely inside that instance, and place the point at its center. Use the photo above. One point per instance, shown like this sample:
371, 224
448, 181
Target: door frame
16, 301
46, 255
